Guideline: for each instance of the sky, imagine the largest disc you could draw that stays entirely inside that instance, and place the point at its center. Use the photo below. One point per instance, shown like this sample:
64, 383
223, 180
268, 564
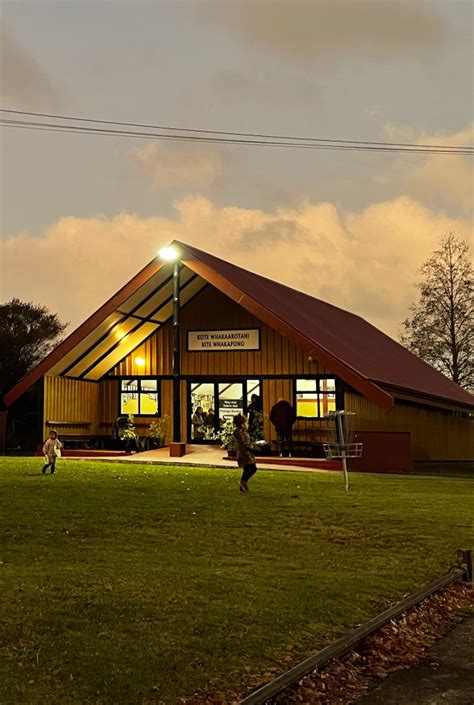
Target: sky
81, 214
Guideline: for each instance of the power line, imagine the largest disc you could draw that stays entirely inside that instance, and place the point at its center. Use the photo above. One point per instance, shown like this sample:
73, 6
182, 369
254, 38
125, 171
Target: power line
65, 129
267, 140
233, 134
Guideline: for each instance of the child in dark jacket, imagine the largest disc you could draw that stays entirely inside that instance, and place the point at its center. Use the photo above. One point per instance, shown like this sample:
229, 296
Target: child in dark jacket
245, 456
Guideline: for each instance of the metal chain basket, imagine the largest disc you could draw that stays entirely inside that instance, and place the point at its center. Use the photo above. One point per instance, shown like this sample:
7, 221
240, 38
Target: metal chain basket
341, 445
335, 451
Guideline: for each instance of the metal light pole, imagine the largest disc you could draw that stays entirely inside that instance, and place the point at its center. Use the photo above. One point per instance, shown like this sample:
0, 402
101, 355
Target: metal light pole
177, 447
176, 356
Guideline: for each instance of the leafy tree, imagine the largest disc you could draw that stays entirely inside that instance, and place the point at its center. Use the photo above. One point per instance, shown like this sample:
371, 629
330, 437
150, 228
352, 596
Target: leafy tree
28, 332
440, 329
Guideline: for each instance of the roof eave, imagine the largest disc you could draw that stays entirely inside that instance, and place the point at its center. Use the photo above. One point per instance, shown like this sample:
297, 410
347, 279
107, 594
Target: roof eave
428, 399
82, 331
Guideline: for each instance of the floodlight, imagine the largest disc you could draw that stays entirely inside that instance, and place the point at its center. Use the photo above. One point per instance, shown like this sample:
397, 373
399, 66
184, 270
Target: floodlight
168, 254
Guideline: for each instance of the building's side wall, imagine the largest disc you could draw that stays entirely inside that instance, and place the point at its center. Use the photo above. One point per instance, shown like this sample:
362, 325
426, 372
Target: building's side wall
436, 434
71, 406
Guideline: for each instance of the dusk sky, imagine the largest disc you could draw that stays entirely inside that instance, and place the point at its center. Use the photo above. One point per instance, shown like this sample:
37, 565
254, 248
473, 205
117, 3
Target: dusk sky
81, 214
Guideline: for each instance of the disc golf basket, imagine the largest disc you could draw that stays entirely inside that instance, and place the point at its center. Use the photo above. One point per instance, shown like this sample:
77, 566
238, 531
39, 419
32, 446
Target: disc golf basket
341, 444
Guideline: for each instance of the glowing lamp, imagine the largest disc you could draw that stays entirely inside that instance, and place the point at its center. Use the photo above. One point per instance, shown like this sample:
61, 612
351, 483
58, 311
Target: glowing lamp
140, 362
168, 254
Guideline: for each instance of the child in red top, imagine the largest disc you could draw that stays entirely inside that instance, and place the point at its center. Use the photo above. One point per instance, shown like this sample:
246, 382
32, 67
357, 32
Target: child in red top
52, 451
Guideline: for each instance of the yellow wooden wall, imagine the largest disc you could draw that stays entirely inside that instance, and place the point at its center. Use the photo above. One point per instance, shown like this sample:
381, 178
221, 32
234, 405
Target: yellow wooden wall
73, 406
213, 310
436, 434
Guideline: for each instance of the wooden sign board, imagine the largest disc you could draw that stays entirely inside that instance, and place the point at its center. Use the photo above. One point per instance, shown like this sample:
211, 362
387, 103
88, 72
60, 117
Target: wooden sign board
223, 340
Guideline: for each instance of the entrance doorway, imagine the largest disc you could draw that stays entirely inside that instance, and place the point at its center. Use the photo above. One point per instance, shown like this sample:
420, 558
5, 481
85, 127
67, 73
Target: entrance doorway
211, 404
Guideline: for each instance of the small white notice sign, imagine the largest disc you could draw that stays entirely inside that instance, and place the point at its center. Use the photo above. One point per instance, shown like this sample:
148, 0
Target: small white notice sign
215, 340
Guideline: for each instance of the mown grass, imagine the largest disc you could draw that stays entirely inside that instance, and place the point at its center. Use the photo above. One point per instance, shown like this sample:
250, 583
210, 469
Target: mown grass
133, 584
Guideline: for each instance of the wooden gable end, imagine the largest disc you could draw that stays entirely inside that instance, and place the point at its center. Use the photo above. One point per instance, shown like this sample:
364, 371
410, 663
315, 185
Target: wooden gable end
213, 310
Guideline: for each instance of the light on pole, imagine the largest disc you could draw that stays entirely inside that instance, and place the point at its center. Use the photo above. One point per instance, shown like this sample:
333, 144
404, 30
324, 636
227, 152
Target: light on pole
170, 254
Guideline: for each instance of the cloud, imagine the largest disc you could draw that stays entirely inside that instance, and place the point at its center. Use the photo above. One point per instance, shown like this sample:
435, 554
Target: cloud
365, 261
310, 30
445, 180
24, 85
170, 165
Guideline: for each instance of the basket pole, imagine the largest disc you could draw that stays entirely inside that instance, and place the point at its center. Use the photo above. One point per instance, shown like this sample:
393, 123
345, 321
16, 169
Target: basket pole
344, 459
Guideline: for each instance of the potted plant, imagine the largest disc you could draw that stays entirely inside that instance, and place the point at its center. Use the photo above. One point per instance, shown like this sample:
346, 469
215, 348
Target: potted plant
226, 437
256, 431
127, 434
158, 432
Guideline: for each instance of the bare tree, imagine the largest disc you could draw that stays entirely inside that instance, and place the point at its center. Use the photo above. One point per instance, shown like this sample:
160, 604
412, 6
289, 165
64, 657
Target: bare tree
440, 329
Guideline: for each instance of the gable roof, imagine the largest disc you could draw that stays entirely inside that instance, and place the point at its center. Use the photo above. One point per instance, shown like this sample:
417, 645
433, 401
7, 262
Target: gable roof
352, 348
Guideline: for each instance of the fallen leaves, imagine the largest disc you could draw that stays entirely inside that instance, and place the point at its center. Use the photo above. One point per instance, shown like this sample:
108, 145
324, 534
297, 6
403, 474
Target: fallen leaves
398, 644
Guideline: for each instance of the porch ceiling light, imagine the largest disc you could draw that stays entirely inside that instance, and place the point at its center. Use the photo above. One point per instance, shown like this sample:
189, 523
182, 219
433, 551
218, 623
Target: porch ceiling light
168, 254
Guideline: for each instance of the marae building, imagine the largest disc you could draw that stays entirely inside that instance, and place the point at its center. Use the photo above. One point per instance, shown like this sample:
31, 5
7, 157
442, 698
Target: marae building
242, 334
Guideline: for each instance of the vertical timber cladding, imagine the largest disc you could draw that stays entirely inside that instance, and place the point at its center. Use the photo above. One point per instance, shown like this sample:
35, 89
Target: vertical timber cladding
212, 310
436, 434
73, 406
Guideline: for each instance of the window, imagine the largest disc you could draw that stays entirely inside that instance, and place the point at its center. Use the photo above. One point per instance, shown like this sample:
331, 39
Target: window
315, 397
254, 389
139, 397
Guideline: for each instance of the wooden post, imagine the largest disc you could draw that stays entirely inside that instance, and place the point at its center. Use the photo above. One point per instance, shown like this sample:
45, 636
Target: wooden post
465, 562
177, 450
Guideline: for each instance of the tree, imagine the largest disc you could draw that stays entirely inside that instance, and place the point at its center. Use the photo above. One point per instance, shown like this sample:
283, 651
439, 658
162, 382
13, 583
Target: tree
440, 329
28, 332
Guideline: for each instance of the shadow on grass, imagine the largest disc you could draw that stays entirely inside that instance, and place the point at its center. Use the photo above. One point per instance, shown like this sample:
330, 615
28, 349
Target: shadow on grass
38, 474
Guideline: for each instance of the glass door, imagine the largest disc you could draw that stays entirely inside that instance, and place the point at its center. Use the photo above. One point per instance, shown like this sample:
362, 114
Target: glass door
211, 404
202, 410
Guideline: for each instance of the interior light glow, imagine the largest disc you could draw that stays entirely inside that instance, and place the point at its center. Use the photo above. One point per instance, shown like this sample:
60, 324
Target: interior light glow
140, 362
168, 254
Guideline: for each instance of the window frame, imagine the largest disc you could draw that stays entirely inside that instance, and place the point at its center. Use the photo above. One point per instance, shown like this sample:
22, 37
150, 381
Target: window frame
139, 392
317, 378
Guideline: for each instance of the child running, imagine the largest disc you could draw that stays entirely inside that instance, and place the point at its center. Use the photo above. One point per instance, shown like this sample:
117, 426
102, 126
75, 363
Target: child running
245, 456
52, 451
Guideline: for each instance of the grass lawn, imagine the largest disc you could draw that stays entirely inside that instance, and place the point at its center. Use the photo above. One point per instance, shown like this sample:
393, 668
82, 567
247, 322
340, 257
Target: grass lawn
127, 584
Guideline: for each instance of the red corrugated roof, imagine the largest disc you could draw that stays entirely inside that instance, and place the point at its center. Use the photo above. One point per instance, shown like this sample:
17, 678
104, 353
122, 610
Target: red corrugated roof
346, 336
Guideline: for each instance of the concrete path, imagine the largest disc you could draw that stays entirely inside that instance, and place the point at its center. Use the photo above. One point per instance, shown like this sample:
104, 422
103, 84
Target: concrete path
445, 678
196, 456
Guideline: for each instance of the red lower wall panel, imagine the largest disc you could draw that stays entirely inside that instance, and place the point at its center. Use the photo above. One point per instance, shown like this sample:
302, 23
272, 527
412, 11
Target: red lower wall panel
383, 451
